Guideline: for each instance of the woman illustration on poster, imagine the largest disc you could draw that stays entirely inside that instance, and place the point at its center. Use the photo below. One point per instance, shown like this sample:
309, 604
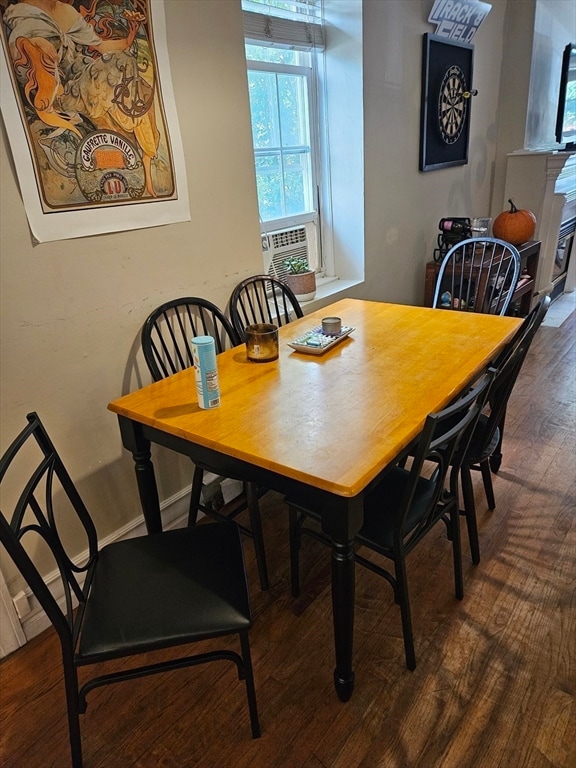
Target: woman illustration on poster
81, 69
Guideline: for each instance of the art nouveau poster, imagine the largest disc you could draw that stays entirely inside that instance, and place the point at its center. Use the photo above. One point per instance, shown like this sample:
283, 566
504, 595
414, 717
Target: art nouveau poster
87, 103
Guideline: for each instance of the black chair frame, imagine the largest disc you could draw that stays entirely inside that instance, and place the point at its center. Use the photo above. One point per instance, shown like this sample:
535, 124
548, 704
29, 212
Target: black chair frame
134, 596
165, 338
262, 299
168, 331
404, 506
484, 453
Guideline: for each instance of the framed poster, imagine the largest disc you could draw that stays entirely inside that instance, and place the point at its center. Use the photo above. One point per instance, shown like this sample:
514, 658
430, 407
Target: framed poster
86, 98
446, 101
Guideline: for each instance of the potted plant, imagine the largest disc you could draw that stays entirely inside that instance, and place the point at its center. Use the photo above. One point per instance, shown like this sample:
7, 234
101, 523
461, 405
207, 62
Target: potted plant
300, 278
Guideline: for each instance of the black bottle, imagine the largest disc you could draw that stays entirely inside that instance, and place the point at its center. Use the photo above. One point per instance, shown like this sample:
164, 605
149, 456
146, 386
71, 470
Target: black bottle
454, 227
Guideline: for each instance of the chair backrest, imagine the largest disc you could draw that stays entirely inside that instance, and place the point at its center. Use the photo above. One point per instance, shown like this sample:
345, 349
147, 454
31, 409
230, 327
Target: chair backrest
168, 331
508, 367
443, 440
478, 275
262, 299
45, 507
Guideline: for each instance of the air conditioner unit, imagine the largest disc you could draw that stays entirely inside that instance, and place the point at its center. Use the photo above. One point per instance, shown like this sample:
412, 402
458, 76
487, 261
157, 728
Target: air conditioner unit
288, 243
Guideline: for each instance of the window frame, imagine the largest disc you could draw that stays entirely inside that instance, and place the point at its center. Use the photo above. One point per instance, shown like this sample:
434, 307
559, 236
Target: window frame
311, 75
331, 29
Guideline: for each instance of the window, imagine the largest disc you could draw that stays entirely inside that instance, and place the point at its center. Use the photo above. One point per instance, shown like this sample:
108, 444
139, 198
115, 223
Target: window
282, 55
279, 88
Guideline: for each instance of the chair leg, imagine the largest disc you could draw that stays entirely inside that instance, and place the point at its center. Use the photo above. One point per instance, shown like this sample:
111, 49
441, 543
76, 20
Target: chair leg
251, 490
404, 602
470, 512
294, 551
250, 687
496, 457
195, 496
73, 709
457, 552
488, 487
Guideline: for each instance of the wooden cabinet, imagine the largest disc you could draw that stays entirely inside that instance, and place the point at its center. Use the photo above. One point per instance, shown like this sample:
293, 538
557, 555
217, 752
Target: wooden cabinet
523, 298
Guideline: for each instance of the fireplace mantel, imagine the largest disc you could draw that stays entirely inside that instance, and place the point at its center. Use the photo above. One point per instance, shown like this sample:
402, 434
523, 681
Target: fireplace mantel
545, 183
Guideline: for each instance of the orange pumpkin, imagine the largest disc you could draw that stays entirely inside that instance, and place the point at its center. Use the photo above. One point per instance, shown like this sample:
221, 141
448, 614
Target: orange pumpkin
516, 226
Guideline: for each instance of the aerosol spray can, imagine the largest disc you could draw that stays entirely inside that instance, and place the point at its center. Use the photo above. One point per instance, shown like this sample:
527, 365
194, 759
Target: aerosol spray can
206, 371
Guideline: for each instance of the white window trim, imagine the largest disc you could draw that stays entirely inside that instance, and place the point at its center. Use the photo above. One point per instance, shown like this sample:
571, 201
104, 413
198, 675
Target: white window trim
290, 69
313, 215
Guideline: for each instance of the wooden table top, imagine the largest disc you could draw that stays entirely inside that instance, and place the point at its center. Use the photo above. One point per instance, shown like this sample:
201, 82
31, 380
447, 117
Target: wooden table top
332, 421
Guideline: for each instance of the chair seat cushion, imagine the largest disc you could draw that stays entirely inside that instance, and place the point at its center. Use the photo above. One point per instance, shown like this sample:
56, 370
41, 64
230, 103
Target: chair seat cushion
479, 448
381, 503
163, 589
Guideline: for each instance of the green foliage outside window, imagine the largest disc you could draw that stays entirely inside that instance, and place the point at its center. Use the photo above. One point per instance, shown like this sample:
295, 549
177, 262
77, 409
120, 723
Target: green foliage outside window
281, 135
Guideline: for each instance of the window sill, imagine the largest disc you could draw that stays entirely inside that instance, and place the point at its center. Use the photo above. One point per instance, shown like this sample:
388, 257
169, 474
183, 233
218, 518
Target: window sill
328, 290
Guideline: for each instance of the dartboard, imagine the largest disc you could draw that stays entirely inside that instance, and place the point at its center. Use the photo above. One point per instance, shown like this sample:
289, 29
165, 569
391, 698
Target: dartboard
452, 105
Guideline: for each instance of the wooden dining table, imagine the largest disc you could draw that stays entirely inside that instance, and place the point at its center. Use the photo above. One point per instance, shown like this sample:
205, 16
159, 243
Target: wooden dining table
329, 424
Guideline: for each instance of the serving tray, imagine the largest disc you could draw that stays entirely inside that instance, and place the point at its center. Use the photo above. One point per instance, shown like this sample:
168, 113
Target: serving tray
314, 342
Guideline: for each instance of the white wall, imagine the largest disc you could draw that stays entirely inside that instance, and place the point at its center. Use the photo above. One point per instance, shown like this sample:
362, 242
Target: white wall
343, 234
403, 205
554, 28
536, 32
72, 310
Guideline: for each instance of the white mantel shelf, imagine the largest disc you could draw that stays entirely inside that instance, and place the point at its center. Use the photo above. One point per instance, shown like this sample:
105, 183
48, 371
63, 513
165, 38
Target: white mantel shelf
544, 182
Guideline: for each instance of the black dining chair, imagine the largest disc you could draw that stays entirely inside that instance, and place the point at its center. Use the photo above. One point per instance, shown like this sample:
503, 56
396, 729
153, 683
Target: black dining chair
130, 597
406, 504
478, 275
484, 452
168, 330
166, 344
262, 299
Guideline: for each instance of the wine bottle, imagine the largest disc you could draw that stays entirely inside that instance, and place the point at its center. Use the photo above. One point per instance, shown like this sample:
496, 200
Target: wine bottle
454, 227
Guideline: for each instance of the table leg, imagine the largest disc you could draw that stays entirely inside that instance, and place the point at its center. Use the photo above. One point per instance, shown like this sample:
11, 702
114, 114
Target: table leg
343, 587
341, 520
139, 446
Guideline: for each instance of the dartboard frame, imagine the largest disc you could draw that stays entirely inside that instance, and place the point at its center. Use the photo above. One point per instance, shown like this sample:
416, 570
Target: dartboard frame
447, 69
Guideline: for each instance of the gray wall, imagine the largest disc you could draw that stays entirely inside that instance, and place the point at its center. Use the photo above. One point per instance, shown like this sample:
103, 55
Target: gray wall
404, 206
72, 310
535, 33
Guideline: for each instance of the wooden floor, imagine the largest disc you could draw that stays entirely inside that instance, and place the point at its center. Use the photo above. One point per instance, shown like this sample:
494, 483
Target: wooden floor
496, 677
